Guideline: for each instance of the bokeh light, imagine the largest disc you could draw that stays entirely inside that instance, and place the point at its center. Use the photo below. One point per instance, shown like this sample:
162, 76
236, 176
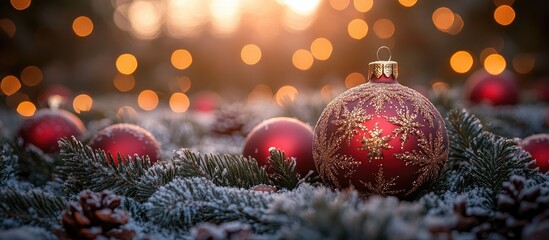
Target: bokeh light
357, 28
354, 79
286, 95
82, 103
363, 5
494, 64
443, 18
147, 100
384, 28
181, 59
339, 4
440, 87
20, 4
179, 102
10, 85
321, 48
250, 54
12, 101
461, 61
301, 7
82, 26
145, 18
126, 63
31, 76
180, 84
302, 59
457, 26
8, 26
407, 3
523, 63
504, 15
261, 93
26, 109
124, 83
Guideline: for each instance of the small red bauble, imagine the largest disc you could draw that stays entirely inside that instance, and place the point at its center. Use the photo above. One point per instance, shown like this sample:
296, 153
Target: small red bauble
290, 135
126, 139
482, 87
48, 126
538, 146
381, 137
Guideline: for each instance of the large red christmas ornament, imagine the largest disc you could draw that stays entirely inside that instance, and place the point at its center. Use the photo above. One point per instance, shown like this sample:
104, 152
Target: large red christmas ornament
538, 146
380, 137
47, 126
290, 135
482, 87
126, 139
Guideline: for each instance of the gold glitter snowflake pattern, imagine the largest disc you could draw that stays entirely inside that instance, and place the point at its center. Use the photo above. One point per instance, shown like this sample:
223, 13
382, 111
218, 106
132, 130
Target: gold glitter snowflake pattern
350, 121
430, 158
407, 124
381, 186
333, 163
375, 143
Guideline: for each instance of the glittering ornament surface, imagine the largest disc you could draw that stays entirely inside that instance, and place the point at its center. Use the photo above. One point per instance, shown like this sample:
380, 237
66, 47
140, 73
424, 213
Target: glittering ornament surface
382, 138
126, 139
48, 126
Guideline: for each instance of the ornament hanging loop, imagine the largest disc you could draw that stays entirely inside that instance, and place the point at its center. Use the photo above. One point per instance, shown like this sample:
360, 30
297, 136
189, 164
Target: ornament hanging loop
388, 50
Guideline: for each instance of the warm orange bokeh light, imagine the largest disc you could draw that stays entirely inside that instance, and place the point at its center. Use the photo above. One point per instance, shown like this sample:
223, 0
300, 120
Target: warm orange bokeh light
443, 18
286, 95
302, 59
20, 4
181, 59
261, 92
504, 15
26, 109
124, 83
357, 28
10, 85
363, 5
354, 79
82, 103
440, 87
461, 61
407, 3
494, 64
250, 54
524, 63
147, 100
180, 84
384, 28
339, 4
179, 102
31, 76
457, 25
82, 26
321, 48
126, 63
8, 26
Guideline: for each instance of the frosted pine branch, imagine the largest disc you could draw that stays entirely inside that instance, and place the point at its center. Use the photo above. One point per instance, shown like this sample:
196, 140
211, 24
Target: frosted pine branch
33, 207
284, 173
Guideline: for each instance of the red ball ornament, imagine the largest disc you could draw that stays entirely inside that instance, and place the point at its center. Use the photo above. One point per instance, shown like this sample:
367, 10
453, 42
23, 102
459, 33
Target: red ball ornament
538, 146
381, 137
126, 139
47, 126
290, 135
482, 87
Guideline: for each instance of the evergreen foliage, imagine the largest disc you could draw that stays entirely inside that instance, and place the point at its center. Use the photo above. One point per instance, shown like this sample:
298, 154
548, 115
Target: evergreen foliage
84, 169
33, 207
185, 202
222, 170
284, 173
7, 164
481, 159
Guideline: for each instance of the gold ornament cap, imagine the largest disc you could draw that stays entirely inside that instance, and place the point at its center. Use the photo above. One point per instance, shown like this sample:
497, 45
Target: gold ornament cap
380, 68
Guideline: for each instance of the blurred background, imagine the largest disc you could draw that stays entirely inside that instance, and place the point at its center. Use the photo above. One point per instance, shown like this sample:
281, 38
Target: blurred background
148, 54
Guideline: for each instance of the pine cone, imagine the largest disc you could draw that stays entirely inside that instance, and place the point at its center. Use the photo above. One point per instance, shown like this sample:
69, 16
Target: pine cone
225, 231
476, 220
518, 206
93, 216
